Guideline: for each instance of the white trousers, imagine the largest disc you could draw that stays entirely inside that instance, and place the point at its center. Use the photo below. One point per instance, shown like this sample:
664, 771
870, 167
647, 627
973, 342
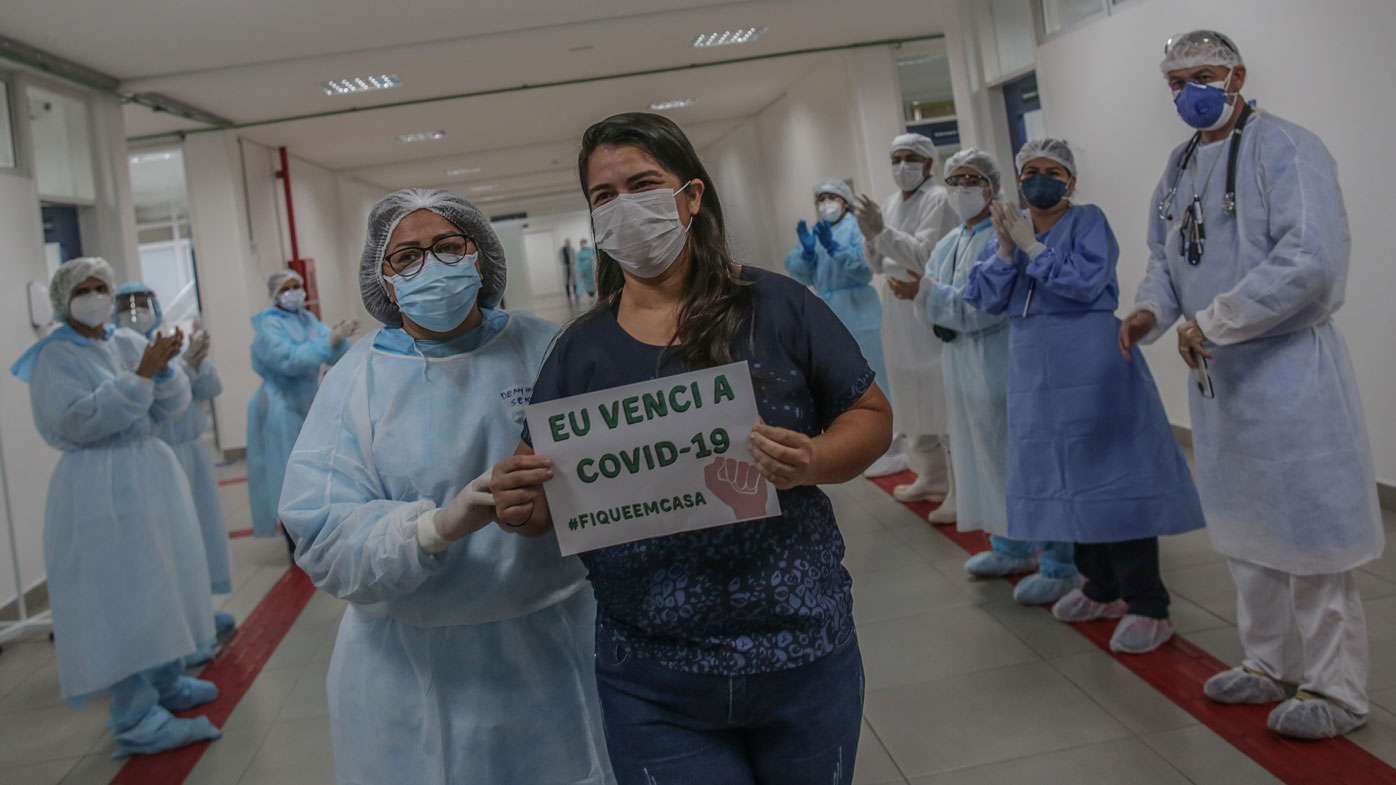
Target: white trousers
1304, 630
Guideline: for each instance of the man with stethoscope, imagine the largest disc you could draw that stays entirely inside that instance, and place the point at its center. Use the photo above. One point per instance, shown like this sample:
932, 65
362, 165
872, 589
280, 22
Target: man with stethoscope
1249, 247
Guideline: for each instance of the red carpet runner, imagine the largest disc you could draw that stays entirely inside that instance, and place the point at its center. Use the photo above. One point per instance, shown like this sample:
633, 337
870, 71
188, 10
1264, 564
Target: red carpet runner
1178, 668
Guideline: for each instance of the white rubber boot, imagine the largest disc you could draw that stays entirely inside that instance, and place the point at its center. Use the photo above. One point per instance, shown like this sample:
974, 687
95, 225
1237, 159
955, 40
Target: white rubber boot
945, 513
893, 461
929, 460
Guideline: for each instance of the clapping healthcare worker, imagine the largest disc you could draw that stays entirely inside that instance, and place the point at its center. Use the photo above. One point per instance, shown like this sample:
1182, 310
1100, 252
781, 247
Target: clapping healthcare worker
290, 346
128, 581
1091, 455
976, 389
465, 655
1283, 462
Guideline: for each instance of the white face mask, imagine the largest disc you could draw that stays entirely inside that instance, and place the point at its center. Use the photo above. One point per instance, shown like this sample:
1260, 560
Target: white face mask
291, 299
642, 232
139, 319
92, 309
967, 201
830, 211
909, 175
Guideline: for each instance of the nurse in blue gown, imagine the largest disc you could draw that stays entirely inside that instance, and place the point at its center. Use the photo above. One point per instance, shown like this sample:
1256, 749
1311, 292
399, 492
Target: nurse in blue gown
830, 259
127, 579
290, 346
1091, 455
466, 653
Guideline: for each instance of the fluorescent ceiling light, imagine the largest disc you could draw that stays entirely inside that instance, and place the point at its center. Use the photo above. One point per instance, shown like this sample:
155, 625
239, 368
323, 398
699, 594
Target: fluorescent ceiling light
145, 158
459, 172
422, 136
910, 60
662, 106
360, 84
742, 35
483, 188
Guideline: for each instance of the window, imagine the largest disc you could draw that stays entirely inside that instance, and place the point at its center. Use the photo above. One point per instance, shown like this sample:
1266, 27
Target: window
1058, 15
62, 139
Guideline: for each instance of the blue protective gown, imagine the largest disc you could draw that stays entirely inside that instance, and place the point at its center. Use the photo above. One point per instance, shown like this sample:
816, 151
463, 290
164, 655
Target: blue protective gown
842, 280
1091, 455
128, 582
1283, 462
975, 367
586, 271
473, 665
287, 353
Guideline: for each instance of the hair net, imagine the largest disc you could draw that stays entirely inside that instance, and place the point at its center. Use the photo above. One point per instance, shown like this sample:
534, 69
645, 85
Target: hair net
979, 161
279, 279
1200, 47
836, 187
916, 143
136, 287
384, 218
1055, 149
70, 274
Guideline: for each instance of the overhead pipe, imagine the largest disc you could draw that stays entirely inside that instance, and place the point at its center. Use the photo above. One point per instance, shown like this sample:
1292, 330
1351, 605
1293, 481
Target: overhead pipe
303, 267
284, 175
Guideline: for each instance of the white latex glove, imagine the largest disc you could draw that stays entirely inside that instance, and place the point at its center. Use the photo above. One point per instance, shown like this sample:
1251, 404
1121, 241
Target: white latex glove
1020, 228
197, 351
471, 511
343, 329
869, 216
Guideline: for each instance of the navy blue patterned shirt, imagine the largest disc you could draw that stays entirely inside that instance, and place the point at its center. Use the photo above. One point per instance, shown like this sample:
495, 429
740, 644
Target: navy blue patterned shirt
752, 597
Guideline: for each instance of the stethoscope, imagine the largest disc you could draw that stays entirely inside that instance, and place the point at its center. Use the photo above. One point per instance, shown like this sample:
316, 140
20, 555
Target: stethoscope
1193, 233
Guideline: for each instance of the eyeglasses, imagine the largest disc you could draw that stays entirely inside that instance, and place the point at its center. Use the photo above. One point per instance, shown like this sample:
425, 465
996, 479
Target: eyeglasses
407, 262
967, 180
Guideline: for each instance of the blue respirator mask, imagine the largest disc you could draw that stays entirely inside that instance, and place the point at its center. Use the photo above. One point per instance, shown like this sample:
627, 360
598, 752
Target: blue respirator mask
1042, 191
1205, 106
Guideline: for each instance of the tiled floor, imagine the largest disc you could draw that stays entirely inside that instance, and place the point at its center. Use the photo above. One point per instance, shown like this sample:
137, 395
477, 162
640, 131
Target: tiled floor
964, 686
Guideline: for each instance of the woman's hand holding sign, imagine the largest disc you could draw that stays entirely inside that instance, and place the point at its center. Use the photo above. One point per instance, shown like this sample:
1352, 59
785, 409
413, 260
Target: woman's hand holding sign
517, 486
783, 456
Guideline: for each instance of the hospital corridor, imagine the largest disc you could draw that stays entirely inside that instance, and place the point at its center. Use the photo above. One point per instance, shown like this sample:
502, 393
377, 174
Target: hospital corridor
697, 392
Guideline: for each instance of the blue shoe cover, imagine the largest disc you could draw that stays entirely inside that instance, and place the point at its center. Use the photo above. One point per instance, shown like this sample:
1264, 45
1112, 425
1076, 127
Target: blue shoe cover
1038, 589
991, 564
224, 622
159, 731
186, 693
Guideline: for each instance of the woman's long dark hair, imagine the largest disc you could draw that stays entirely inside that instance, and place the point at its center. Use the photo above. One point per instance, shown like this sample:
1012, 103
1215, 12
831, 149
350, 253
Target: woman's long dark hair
717, 302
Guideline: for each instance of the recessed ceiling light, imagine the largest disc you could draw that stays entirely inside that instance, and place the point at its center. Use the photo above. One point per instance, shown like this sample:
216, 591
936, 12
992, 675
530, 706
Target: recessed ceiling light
910, 60
479, 188
145, 158
422, 136
459, 172
742, 35
679, 103
360, 84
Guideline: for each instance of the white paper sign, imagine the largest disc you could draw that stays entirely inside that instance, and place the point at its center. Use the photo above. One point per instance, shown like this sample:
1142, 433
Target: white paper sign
650, 459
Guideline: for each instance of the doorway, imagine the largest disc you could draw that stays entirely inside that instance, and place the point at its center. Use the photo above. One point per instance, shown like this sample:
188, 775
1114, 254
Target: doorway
1024, 108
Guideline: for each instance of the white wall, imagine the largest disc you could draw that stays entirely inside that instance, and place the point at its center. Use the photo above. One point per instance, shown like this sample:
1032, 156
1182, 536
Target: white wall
1325, 66
733, 162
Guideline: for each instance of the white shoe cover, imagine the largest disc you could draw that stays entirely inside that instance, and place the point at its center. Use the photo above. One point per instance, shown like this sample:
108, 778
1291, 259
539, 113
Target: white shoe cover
1038, 589
918, 491
1140, 634
1240, 685
1076, 606
1309, 716
945, 513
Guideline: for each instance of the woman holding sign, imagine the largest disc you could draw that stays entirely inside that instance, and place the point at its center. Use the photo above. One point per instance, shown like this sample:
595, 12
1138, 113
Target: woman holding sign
458, 637
725, 654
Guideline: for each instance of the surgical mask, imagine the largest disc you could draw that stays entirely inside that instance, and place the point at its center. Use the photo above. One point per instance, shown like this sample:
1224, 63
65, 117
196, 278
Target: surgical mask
92, 309
138, 319
1042, 191
830, 211
1204, 106
441, 296
967, 201
641, 232
291, 299
909, 175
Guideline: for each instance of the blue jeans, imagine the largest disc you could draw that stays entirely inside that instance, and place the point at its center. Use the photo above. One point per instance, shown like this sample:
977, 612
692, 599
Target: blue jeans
1056, 561
790, 727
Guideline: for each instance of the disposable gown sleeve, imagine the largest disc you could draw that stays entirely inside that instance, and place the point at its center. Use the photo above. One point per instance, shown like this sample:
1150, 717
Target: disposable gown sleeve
798, 267
946, 306
848, 260
322, 331
1082, 272
1156, 293
172, 395
1305, 217
205, 384
912, 249
64, 397
275, 347
350, 540
991, 281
